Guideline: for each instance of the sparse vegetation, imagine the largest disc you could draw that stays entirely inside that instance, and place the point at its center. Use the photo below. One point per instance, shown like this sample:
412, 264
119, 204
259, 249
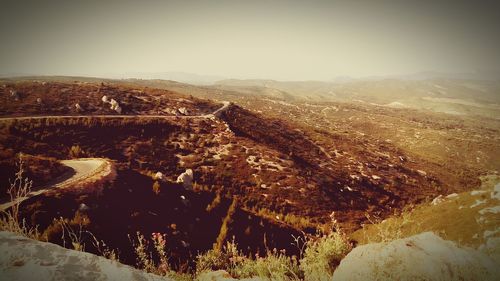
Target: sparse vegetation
75, 152
10, 219
258, 178
156, 187
275, 265
323, 254
219, 243
228, 258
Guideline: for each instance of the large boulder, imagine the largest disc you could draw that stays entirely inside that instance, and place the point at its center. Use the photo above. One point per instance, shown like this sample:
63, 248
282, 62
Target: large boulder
26, 259
186, 179
421, 257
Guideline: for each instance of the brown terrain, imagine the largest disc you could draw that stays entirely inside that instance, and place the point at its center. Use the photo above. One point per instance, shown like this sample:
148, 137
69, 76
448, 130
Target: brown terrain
268, 166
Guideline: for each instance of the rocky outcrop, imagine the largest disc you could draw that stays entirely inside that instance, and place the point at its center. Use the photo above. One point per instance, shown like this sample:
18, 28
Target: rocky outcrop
421, 257
26, 259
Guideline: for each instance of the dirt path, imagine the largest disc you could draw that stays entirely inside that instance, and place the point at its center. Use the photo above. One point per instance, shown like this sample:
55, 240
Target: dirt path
84, 169
225, 105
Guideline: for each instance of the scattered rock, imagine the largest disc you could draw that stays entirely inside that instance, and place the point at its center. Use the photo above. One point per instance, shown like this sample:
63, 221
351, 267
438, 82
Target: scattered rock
113, 103
477, 203
477, 192
170, 111
437, 200
105, 99
83, 207
186, 179
115, 106
158, 176
495, 194
422, 173
450, 196
78, 107
425, 256
183, 111
14, 94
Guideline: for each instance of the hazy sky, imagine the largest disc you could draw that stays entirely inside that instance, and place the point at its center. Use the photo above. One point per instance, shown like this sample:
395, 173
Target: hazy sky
287, 40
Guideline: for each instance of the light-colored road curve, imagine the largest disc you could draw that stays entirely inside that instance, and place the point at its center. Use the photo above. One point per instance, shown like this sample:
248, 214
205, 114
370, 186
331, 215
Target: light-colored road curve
84, 169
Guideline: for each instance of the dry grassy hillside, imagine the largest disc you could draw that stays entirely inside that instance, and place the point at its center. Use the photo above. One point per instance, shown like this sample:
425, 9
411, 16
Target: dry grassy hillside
269, 166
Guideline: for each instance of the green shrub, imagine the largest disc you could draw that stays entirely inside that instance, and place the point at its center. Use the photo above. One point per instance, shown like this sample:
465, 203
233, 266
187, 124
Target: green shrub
225, 225
76, 152
156, 187
323, 255
226, 258
275, 266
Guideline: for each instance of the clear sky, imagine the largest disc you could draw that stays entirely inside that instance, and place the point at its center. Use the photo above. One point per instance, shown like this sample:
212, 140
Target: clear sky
286, 40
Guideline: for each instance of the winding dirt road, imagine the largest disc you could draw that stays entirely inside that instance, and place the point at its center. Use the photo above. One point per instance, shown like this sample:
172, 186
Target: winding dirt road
84, 169
225, 105
88, 169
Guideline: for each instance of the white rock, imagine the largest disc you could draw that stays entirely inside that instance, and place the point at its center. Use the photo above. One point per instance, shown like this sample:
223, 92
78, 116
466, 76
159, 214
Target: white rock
26, 259
115, 106
113, 103
83, 207
437, 200
183, 111
219, 275
158, 176
477, 203
452, 195
104, 99
495, 194
477, 192
492, 210
186, 179
422, 173
421, 257
14, 94
78, 107
492, 248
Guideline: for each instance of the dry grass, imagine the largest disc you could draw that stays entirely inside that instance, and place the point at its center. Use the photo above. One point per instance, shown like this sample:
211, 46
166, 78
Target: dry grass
458, 218
10, 219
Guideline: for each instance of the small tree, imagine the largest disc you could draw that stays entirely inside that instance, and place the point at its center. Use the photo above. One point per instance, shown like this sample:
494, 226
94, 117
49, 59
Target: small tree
76, 151
156, 187
18, 191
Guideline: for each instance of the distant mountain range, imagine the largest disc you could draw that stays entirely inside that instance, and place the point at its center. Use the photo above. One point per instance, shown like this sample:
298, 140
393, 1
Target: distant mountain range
426, 75
200, 79
183, 77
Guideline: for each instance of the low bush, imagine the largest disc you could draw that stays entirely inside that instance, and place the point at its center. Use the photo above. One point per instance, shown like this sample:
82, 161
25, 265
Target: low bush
322, 255
274, 266
9, 218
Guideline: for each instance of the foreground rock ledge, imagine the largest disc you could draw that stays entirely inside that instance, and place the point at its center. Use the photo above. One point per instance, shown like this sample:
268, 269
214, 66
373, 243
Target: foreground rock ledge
421, 257
23, 259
